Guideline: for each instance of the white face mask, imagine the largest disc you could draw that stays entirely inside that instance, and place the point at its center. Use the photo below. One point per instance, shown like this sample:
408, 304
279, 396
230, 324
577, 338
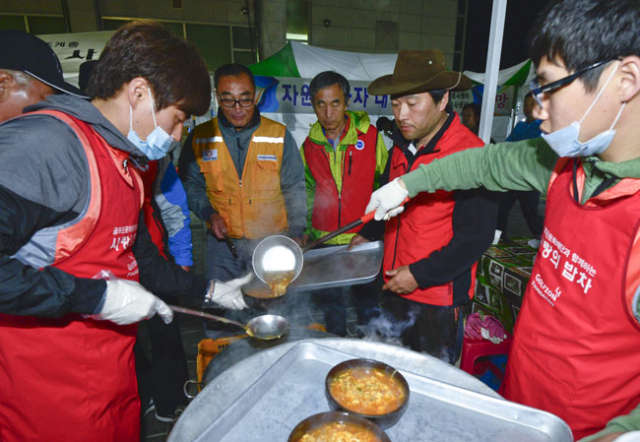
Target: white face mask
158, 142
565, 142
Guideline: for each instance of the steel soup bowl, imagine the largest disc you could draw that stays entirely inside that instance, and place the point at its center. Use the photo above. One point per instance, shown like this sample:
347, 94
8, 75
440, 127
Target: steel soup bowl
256, 294
319, 419
277, 253
383, 420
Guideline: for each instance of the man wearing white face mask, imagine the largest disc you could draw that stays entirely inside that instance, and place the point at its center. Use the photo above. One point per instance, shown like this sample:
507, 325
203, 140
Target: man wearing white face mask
575, 344
77, 265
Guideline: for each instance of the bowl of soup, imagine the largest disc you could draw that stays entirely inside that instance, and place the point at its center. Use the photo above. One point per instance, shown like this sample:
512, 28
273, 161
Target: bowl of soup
260, 296
369, 389
335, 426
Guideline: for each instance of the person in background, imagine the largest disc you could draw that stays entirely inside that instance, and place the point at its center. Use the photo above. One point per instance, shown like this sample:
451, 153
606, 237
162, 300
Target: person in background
528, 200
344, 157
471, 117
28, 78
244, 177
431, 250
76, 261
575, 347
84, 73
385, 128
161, 380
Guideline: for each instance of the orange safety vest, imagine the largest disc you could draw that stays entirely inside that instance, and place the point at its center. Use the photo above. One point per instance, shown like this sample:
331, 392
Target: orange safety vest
252, 205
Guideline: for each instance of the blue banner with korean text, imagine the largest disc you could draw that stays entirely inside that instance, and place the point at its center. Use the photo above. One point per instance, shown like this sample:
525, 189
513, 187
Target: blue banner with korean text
291, 95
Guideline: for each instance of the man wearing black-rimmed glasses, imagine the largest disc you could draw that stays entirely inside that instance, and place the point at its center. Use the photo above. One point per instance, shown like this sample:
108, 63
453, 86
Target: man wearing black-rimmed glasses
243, 175
575, 349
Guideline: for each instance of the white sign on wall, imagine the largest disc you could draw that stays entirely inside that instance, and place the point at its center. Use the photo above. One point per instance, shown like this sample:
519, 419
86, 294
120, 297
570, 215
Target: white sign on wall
74, 49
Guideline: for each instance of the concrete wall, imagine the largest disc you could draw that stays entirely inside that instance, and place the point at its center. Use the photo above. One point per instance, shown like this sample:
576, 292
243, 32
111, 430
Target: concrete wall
375, 26
380, 26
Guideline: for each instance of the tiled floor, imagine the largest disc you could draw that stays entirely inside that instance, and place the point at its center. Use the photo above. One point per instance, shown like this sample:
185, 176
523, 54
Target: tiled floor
193, 329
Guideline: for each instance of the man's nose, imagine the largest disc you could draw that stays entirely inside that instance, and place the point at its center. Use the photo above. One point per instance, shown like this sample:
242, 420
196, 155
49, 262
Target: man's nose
401, 112
539, 113
177, 133
330, 112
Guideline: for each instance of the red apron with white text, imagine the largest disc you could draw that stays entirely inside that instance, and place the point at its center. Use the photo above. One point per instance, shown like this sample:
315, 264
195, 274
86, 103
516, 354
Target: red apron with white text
575, 350
73, 379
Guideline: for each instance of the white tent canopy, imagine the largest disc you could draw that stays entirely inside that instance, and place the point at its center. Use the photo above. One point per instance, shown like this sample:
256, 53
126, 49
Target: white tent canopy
311, 60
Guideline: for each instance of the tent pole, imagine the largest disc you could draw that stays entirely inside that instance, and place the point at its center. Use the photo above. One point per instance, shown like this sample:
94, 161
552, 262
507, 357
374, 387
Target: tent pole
498, 13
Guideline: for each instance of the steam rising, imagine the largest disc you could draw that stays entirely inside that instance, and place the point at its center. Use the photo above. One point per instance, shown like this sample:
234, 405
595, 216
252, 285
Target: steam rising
386, 328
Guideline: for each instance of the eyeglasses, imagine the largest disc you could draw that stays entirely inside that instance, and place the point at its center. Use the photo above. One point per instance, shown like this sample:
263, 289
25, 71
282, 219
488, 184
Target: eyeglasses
537, 90
230, 102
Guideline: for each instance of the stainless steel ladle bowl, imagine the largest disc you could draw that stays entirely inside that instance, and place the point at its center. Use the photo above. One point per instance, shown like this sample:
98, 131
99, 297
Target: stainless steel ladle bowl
265, 327
281, 254
277, 254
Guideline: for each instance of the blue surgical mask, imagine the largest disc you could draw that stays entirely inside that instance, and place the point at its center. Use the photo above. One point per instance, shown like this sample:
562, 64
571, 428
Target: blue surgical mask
158, 142
565, 142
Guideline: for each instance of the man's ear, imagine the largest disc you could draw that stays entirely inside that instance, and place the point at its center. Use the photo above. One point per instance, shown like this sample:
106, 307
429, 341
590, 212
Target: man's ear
442, 105
629, 85
6, 84
137, 91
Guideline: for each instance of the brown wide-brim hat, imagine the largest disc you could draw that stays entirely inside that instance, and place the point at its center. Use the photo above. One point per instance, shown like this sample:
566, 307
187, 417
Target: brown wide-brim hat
419, 71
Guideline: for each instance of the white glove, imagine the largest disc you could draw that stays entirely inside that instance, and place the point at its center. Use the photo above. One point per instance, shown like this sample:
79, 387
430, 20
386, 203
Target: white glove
632, 436
228, 294
126, 302
387, 201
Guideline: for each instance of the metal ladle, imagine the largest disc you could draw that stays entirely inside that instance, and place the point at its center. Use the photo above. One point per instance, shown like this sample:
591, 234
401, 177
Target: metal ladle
279, 253
265, 327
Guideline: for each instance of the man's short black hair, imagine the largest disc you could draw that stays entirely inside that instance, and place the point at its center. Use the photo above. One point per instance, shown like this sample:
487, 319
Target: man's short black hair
437, 95
233, 70
326, 79
173, 67
580, 33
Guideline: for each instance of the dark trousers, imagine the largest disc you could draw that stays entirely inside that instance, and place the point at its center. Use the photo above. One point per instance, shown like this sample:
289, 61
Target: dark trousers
528, 203
162, 378
426, 328
333, 303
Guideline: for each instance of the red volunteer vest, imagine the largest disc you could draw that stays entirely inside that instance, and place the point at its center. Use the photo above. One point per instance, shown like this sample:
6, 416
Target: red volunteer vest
331, 209
155, 227
575, 350
73, 379
426, 223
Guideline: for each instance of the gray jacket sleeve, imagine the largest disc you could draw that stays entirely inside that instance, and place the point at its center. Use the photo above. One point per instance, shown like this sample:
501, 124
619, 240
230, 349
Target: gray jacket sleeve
194, 182
293, 186
43, 173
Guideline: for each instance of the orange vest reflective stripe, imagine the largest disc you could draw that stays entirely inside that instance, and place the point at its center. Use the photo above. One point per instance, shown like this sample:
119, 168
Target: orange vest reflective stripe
253, 205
